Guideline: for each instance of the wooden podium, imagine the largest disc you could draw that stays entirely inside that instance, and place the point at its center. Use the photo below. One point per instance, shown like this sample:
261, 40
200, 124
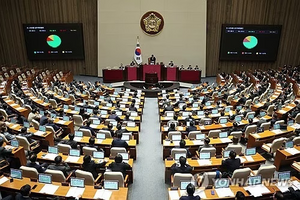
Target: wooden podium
151, 78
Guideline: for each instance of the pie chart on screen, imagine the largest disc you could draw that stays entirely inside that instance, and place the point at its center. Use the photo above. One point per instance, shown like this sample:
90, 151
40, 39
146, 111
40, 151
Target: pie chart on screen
53, 41
250, 42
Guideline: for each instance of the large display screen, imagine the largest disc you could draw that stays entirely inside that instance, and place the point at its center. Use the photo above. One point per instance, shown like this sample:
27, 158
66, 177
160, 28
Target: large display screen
54, 41
249, 42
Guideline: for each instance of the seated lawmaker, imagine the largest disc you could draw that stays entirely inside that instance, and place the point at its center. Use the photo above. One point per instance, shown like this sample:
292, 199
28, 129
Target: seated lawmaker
118, 142
33, 163
206, 144
60, 165
132, 107
182, 144
119, 166
71, 141
44, 119
86, 125
24, 193
91, 144
120, 130
181, 167
192, 127
152, 60
27, 135
190, 67
168, 107
90, 166
172, 127
114, 116
230, 164
190, 190
110, 129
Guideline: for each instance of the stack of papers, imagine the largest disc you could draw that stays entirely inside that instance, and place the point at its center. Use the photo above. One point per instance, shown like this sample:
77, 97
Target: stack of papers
174, 195
198, 142
99, 141
75, 192
284, 186
202, 127
61, 122
226, 140
204, 162
278, 131
3, 180
224, 192
257, 190
72, 159
292, 151
167, 143
249, 158
39, 133
296, 184
103, 194
77, 139
200, 193
176, 143
49, 189
50, 156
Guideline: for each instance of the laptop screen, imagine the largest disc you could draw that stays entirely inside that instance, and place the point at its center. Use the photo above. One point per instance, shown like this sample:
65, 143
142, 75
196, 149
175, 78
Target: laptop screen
53, 150
238, 118
251, 116
16, 173
207, 122
66, 107
125, 137
119, 113
114, 123
200, 112
100, 136
170, 114
74, 152
96, 121
42, 128
45, 178
133, 114
131, 124
77, 182
254, 180
66, 118
227, 109
239, 107
98, 154
204, 155
222, 183
289, 144
125, 156
207, 104
96, 103
290, 122
223, 135
184, 184
195, 105
250, 151
178, 155
276, 126
262, 114
109, 105
200, 136
78, 134
101, 97
103, 112
215, 111
111, 185
223, 121
26, 124
226, 154
283, 176
14, 143
77, 108
185, 114
13, 120
176, 137
89, 110
42, 112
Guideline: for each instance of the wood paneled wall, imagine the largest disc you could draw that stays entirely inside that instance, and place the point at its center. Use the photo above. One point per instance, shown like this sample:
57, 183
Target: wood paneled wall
271, 12
14, 13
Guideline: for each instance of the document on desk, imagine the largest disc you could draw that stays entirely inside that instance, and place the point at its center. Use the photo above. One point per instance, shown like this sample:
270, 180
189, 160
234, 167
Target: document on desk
3, 180
167, 143
226, 140
39, 133
198, 142
13, 104
174, 195
183, 193
257, 190
103, 194
202, 127
204, 162
50, 156
19, 108
77, 139
242, 159
201, 193
278, 131
284, 186
61, 122
72, 159
75, 192
99, 141
249, 158
224, 192
180, 128
14, 126
49, 189
176, 143
292, 151
296, 184
295, 126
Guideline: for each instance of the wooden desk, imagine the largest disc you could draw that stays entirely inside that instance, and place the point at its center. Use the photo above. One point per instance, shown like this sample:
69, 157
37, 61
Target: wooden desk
215, 164
285, 109
17, 108
106, 145
66, 124
258, 139
283, 157
62, 191
193, 145
19, 153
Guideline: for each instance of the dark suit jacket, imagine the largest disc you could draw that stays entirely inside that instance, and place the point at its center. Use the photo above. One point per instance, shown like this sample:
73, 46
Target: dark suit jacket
133, 109
169, 108
62, 167
39, 168
190, 198
191, 128
119, 167
20, 197
72, 143
119, 143
43, 120
177, 168
4, 153
92, 167
231, 164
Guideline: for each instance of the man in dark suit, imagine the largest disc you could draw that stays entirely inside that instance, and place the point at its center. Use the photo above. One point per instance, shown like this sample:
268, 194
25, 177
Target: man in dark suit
169, 107
152, 60
44, 119
59, 165
90, 166
119, 166
120, 130
24, 193
230, 164
114, 116
87, 126
56, 128
91, 144
242, 100
132, 107
182, 144
181, 167
34, 164
118, 142
110, 129
28, 136
4, 153
192, 127
190, 190
71, 141
206, 144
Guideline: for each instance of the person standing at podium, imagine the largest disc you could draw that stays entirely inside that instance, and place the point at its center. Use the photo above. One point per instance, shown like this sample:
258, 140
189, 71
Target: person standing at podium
152, 60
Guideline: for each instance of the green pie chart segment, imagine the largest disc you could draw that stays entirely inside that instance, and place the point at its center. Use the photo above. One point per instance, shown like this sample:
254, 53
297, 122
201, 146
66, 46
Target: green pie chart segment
250, 42
53, 41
